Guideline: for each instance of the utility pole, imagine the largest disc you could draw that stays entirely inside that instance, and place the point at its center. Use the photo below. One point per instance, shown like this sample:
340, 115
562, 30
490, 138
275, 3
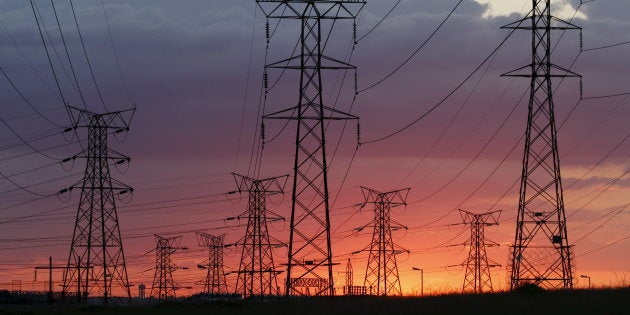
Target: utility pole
50, 268
381, 275
215, 282
477, 277
96, 240
164, 287
421, 279
257, 272
310, 259
541, 253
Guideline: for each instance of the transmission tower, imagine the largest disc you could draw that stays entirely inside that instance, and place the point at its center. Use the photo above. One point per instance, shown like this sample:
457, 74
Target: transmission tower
164, 287
96, 261
477, 278
349, 278
381, 274
309, 264
215, 277
257, 271
541, 253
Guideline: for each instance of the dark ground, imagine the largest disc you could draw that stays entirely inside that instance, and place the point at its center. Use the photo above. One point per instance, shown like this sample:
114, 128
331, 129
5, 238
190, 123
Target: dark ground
613, 301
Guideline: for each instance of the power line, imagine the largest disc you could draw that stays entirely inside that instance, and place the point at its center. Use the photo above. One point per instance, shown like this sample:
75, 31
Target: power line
425, 114
65, 46
52, 68
614, 213
28, 62
380, 21
246, 94
23, 97
116, 57
607, 46
87, 59
605, 246
387, 76
605, 96
26, 142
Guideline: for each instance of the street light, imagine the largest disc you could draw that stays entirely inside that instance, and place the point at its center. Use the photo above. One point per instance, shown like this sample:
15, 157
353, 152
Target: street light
421, 279
589, 279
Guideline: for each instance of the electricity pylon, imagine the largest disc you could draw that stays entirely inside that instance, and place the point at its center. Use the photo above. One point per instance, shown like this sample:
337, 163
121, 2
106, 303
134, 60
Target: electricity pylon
310, 261
257, 272
215, 282
97, 260
477, 277
349, 278
164, 287
381, 274
541, 253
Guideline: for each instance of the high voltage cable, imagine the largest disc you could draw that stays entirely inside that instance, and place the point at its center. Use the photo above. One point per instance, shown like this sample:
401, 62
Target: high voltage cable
65, 47
605, 96
37, 184
434, 107
87, 59
24, 188
41, 34
23, 97
599, 124
28, 62
28, 171
246, 94
476, 156
606, 187
143, 235
4, 122
116, 57
450, 123
614, 213
51, 44
45, 149
415, 52
607, 46
380, 21
601, 160
33, 137
605, 246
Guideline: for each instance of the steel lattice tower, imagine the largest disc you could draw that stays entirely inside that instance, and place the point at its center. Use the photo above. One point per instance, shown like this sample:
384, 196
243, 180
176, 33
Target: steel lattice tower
541, 253
96, 261
215, 282
477, 277
164, 287
309, 264
257, 271
381, 274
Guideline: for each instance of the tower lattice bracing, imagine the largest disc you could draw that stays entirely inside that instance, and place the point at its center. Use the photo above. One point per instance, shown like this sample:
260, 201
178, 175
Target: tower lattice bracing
96, 263
541, 253
215, 282
381, 274
164, 287
257, 272
477, 277
310, 260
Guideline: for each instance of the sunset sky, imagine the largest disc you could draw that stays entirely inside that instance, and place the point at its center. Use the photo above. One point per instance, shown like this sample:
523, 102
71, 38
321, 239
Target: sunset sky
194, 71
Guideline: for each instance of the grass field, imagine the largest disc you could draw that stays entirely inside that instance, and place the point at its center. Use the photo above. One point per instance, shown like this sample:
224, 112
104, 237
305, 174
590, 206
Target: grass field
613, 301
